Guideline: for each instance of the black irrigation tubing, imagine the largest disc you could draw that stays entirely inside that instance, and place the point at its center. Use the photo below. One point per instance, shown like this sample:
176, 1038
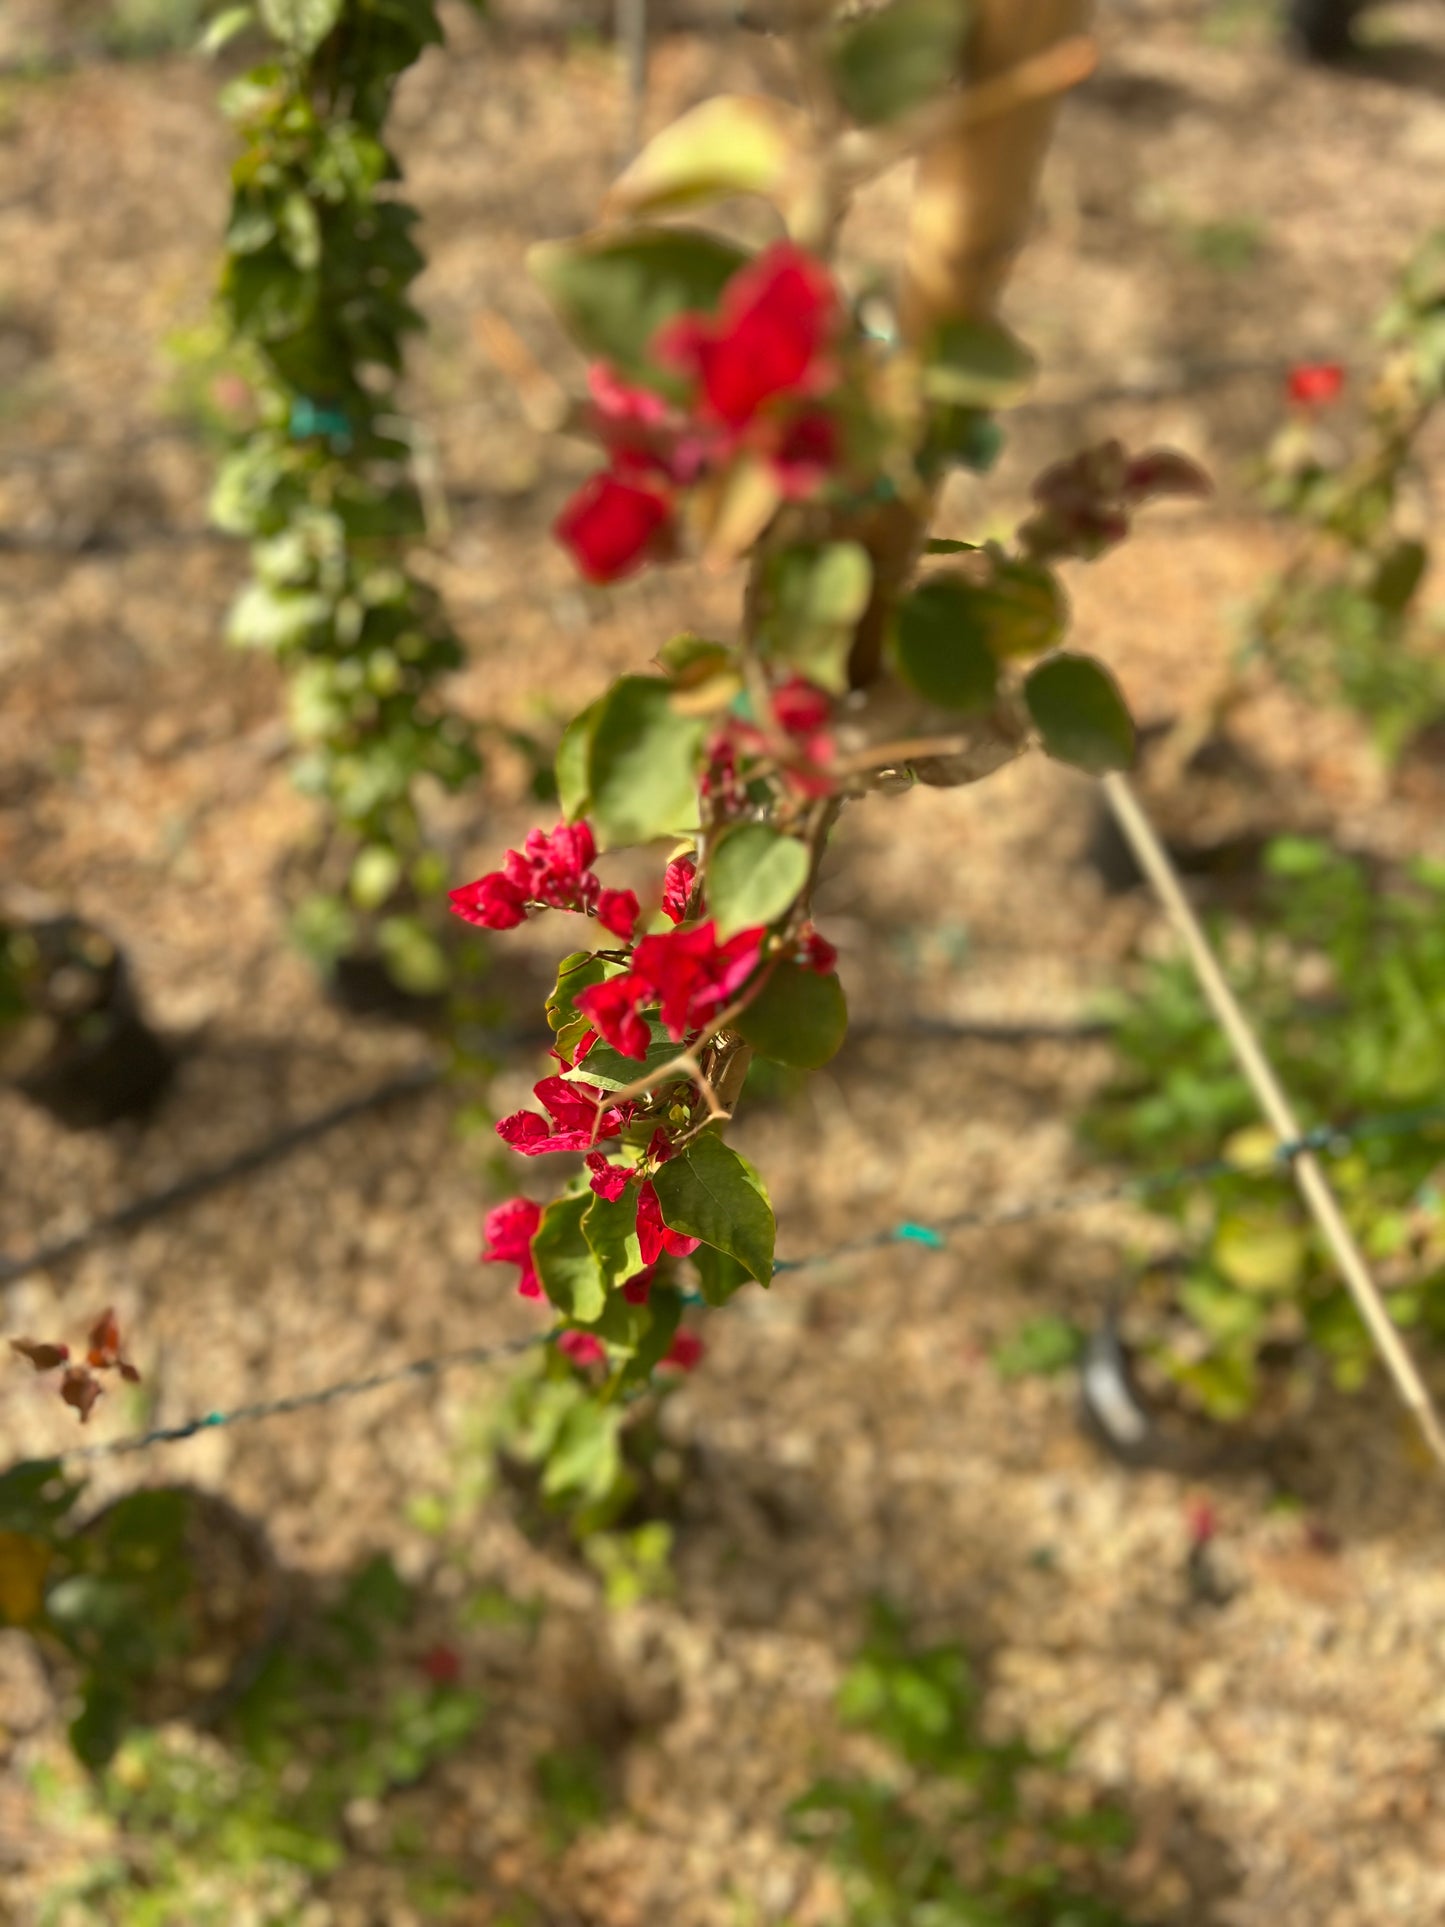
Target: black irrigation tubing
153, 1204
421, 1077
1327, 1139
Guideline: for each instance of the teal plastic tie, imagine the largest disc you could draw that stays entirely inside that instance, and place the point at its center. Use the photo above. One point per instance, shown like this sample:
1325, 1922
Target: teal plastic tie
920, 1234
309, 418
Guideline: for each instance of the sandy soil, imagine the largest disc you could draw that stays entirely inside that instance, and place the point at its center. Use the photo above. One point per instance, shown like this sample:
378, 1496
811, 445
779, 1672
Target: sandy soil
1280, 1751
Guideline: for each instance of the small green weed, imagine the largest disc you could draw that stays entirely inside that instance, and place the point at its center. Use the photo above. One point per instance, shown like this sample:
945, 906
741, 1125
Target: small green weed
957, 1834
1347, 986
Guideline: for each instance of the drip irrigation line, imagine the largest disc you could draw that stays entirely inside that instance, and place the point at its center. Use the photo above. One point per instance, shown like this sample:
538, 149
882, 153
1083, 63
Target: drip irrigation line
421, 1077
153, 1204
1327, 1140
303, 1401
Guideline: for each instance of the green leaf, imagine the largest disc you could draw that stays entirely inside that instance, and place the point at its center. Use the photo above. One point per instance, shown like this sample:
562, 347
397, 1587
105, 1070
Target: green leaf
613, 292
891, 62
813, 599
664, 1314
374, 875
223, 29
718, 1275
940, 644
977, 364
798, 1018
609, 1070
570, 1273
705, 676
571, 763
1261, 1254
263, 618
576, 973
1081, 714
642, 763
754, 874
732, 144
1399, 575
712, 1193
611, 1233
301, 25
414, 960
1024, 609
586, 1457
942, 545
1041, 1346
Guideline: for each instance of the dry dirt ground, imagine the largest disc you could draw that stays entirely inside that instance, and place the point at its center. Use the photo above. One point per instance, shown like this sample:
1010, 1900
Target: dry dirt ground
1281, 1752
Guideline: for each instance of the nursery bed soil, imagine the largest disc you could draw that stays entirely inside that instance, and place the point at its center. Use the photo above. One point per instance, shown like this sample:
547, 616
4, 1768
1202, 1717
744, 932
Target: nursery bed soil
1280, 1751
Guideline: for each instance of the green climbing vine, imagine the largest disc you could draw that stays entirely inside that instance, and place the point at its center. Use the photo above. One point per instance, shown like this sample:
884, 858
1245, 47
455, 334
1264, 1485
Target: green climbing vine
316, 294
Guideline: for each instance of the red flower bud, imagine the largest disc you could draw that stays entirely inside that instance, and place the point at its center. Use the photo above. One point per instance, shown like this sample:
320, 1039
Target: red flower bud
1315, 384
611, 526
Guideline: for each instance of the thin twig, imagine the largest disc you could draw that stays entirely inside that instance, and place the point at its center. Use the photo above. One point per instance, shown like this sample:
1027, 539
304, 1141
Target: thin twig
863, 153
1155, 862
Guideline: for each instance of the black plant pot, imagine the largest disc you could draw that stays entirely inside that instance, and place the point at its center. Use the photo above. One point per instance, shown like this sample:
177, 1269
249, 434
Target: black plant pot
232, 1602
1323, 29
83, 1051
358, 978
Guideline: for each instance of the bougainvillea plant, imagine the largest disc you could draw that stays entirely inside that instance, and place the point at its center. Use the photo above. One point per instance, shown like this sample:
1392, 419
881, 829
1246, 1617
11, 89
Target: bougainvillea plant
1343, 622
752, 404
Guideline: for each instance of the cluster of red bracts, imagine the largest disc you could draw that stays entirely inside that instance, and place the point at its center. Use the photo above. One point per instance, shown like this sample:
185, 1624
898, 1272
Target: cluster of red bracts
549, 873
688, 974
755, 375
78, 1387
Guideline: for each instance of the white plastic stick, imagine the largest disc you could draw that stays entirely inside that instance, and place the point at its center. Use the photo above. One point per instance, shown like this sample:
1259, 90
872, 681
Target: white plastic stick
1154, 861
632, 46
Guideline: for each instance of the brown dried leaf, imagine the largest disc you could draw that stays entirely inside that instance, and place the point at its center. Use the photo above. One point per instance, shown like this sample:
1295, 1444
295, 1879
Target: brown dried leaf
44, 1357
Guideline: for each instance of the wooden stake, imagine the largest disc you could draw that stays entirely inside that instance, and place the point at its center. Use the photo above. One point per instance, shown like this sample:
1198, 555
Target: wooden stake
1154, 861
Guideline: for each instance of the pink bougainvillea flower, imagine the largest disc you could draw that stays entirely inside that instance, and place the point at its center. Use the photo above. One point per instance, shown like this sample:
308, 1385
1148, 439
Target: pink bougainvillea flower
1315, 384
1201, 1521
801, 708
579, 1117
618, 911
687, 972
493, 902
612, 526
441, 1664
720, 784
802, 711
552, 871
614, 1009
608, 1180
653, 1235
677, 883
507, 1232
770, 338
637, 1290
807, 451
647, 440
692, 975
684, 1354
816, 953
581, 1347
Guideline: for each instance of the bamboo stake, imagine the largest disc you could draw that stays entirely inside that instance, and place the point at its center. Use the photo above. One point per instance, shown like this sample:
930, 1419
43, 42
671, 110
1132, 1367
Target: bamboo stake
978, 182
1154, 861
